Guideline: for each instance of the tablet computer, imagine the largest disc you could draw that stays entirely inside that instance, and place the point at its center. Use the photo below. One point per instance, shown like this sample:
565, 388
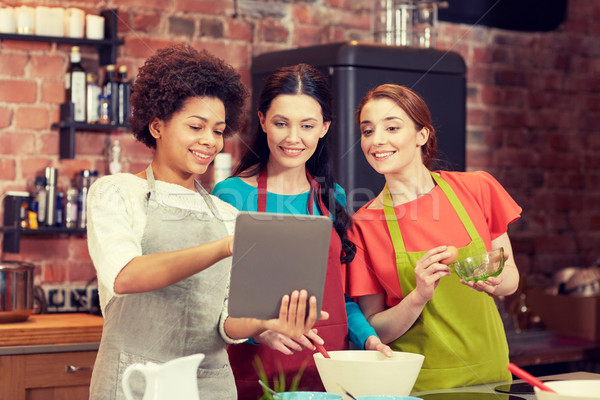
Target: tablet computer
273, 255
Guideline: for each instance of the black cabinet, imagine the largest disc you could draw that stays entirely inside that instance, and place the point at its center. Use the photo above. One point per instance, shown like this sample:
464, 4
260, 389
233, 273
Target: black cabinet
354, 68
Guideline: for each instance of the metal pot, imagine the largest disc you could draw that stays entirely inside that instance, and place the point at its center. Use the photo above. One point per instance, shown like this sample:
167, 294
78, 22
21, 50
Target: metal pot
16, 291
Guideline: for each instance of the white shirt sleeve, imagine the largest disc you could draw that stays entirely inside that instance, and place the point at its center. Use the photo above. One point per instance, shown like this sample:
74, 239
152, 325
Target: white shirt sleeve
116, 221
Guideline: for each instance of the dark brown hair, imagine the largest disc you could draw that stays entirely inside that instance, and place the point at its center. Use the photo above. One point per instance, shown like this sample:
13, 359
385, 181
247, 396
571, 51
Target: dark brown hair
414, 106
293, 80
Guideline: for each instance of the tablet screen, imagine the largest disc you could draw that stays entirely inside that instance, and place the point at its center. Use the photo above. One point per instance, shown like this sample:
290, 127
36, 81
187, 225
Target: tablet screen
274, 254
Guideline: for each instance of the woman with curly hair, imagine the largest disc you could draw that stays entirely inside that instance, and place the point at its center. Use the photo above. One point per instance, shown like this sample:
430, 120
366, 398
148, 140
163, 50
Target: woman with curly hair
161, 245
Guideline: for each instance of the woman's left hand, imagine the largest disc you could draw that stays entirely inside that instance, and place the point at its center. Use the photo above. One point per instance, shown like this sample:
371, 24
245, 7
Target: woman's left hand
374, 343
487, 286
292, 321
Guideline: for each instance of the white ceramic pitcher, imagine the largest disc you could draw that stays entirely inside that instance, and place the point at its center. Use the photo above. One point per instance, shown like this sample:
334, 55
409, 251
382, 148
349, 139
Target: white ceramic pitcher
173, 380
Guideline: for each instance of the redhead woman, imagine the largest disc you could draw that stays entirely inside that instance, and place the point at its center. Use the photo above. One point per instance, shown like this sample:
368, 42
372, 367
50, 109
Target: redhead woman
414, 302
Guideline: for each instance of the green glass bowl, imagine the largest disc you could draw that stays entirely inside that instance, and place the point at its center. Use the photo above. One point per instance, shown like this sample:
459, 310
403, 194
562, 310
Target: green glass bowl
481, 266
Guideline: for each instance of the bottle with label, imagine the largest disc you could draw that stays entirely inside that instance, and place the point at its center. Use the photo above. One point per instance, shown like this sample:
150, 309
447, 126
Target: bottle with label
75, 85
124, 93
110, 88
92, 101
40, 198
114, 158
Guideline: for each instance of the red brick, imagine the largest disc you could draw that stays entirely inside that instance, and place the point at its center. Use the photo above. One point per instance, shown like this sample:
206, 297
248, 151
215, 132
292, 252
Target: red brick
45, 248
482, 74
140, 47
492, 95
27, 46
273, 31
482, 55
47, 66
81, 271
7, 169
153, 4
478, 117
222, 7
17, 143
90, 144
49, 143
70, 168
53, 92
12, 64
305, 14
32, 118
235, 53
54, 272
31, 166
17, 91
240, 29
146, 22
5, 117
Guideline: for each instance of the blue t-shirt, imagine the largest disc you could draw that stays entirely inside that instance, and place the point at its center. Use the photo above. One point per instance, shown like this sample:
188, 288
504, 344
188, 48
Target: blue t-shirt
244, 197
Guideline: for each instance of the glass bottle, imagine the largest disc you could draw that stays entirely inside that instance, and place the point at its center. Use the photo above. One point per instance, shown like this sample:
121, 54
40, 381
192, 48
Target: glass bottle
124, 93
75, 85
93, 92
110, 88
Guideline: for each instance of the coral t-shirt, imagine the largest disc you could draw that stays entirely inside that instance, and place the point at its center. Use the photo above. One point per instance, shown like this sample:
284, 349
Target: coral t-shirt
426, 222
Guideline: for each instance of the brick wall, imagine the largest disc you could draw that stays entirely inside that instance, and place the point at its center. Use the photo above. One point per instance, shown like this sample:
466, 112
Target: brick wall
533, 111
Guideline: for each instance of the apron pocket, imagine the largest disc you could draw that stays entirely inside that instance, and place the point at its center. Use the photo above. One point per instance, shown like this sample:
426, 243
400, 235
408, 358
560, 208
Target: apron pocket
216, 381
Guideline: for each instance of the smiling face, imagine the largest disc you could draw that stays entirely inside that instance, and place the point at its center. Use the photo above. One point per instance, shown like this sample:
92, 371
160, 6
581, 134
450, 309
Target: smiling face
293, 125
188, 142
389, 138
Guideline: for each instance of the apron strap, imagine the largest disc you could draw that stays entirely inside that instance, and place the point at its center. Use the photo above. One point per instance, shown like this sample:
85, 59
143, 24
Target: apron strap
393, 224
458, 207
151, 182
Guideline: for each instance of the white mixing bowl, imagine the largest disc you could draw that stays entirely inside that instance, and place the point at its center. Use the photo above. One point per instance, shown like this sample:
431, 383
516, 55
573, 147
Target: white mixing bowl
570, 390
363, 372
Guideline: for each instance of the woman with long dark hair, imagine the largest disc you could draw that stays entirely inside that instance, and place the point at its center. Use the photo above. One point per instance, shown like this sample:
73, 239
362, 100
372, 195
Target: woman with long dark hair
287, 169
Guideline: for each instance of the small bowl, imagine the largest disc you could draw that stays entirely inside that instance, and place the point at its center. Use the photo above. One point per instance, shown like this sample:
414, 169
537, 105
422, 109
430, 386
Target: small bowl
570, 390
307, 396
481, 266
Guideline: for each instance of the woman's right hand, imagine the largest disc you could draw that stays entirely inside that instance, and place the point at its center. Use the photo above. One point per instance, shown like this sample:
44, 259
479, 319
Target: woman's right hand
429, 271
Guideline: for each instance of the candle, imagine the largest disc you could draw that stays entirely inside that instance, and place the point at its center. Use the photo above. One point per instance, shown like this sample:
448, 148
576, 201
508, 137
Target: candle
25, 20
74, 21
94, 26
7, 20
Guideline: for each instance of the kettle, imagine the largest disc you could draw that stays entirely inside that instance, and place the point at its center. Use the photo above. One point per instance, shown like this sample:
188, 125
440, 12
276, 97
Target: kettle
174, 380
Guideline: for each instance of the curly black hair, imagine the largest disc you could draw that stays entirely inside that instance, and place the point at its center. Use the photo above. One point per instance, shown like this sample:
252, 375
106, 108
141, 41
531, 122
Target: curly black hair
173, 75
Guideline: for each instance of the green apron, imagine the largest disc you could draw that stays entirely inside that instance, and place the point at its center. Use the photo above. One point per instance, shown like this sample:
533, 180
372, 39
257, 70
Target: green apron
459, 332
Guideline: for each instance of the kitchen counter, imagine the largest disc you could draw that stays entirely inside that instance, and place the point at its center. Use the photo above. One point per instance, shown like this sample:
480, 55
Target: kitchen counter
51, 332
489, 388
